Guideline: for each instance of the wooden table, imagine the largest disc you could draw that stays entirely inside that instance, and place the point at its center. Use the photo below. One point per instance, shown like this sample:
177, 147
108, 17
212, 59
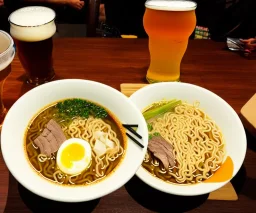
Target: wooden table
115, 61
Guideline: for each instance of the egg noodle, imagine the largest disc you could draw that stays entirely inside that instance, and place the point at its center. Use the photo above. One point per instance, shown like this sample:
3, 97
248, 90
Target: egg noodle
78, 128
197, 142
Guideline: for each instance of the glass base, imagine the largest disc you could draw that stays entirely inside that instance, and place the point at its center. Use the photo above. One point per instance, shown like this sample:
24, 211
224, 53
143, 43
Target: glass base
152, 81
2, 117
37, 81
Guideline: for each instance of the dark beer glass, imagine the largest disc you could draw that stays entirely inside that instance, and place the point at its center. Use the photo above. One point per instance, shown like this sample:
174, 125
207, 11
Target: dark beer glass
32, 29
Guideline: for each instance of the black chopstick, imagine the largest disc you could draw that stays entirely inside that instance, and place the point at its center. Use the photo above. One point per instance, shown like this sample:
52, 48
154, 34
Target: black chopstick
130, 125
134, 140
134, 132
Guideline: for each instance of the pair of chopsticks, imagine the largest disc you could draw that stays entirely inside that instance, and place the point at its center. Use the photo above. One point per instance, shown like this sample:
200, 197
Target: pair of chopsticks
130, 128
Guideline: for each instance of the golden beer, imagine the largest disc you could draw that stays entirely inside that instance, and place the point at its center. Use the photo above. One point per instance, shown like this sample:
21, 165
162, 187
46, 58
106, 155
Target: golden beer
168, 25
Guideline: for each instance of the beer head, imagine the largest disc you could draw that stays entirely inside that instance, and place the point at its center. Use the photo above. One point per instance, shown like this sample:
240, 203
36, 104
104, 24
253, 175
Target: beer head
172, 5
169, 19
7, 51
32, 24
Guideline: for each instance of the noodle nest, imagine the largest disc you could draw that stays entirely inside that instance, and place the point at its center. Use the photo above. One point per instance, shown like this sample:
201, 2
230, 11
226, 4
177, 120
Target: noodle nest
197, 141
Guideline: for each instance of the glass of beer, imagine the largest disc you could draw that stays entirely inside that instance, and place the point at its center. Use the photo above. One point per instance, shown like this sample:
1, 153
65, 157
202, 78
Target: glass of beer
168, 23
7, 53
32, 29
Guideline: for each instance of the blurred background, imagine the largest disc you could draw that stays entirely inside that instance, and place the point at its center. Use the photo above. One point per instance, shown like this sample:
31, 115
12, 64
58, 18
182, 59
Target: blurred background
216, 19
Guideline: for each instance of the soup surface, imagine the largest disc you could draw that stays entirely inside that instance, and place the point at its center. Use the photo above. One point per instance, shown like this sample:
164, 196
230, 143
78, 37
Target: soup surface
185, 145
56, 130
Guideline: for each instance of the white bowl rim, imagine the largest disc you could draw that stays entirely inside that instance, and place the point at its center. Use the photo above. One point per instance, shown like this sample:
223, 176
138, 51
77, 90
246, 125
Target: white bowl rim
77, 198
188, 190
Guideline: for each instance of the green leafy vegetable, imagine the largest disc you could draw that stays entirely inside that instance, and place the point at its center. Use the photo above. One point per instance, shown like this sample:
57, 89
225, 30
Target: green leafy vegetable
80, 108
161, 109
156, 134
150, 137
150, 127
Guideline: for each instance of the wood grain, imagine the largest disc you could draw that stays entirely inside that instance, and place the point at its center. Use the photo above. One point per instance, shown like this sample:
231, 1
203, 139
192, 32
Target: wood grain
128, 89
4, 182
115, 61
226, 192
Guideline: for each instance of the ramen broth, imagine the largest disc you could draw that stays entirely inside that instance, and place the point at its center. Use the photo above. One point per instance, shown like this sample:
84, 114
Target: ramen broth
76, 127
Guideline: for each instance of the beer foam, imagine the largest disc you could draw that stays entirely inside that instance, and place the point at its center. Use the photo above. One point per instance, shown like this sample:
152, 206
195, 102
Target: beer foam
8, 54
33, 23
174, 5
32, 16
4, 41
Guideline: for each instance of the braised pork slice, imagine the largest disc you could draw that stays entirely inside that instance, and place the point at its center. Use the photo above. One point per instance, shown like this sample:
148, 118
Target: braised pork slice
56, 130
50, 139
162, 150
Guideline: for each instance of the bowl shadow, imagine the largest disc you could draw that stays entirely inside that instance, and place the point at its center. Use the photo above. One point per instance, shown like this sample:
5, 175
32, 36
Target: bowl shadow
239, 180
249, 188
251, 141
158, 201
243, 184
39, 204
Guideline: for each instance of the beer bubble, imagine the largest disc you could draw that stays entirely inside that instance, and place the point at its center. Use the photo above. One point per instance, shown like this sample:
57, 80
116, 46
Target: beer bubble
171, 5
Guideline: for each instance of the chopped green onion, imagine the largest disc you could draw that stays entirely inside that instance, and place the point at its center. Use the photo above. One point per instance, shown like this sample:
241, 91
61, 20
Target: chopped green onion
80, 108
150, 137
161, 109
150, 127
156, 134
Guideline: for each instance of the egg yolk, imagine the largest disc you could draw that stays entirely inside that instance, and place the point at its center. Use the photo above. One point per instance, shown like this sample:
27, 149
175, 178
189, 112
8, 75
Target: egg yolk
73, 152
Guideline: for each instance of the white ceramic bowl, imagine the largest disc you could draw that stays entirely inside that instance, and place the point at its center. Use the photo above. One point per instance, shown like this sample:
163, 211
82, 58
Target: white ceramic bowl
20, 114
219, 110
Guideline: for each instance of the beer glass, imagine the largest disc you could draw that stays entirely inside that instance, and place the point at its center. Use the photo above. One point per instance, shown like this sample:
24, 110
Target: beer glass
32, 29
168, 23
7, 53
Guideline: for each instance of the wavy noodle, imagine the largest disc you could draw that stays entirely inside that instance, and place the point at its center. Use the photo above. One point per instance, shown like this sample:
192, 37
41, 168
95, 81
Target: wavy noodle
79, 128
197, 141
85, 129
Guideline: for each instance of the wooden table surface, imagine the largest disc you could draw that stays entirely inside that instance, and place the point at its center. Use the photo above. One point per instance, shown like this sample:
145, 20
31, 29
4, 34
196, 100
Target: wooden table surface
115, 61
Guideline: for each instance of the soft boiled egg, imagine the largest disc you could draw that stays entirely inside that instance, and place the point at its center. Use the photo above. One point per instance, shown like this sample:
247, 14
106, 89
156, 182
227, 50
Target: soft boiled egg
74, 156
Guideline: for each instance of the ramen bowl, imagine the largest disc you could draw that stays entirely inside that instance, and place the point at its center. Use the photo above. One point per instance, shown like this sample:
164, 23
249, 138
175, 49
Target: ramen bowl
26, 107
220, 112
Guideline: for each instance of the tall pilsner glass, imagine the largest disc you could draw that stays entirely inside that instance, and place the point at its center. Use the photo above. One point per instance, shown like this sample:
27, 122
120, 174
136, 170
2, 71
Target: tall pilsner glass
7, 53
32, 29
168, 23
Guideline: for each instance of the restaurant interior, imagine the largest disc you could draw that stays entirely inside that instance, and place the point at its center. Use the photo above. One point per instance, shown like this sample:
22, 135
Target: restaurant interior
128, 106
